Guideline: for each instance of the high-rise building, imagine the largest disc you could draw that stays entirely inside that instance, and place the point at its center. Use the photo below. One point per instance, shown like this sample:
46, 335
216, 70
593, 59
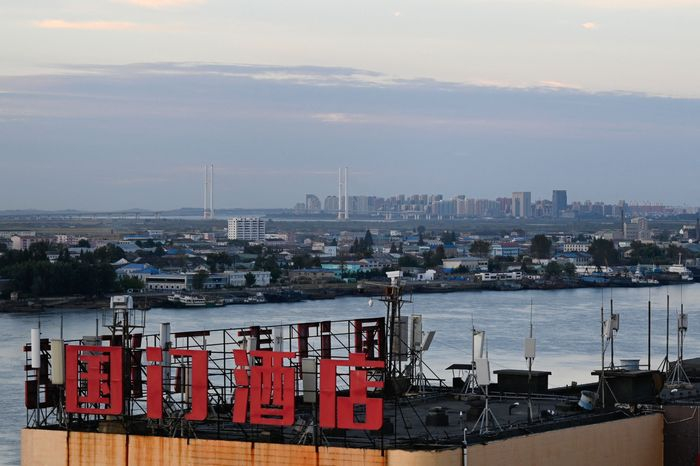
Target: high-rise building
330, 204
313, 203
522, 204
559, 202
246, 228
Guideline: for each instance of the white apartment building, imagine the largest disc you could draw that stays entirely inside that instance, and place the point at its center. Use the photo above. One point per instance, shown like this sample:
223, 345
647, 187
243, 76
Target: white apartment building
246, 228
576, 247
20, 243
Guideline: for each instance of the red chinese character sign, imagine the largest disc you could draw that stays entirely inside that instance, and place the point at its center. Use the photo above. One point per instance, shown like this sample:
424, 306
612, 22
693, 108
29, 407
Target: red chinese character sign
339, 411
196, 382
267, 387
94, 380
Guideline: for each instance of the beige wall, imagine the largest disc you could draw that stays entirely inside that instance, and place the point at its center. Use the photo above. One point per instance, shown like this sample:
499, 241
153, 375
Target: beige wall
636, 441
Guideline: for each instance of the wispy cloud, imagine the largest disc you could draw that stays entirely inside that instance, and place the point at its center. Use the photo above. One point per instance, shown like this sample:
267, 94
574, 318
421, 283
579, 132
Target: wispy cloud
85, 25
589, 25
155, 4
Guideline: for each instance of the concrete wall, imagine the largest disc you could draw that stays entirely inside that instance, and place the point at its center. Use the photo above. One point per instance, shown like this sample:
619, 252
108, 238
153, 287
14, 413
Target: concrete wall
637, 441
681, 435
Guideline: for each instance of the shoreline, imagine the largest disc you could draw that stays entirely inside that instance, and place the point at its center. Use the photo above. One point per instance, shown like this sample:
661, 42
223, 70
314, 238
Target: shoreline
302, 293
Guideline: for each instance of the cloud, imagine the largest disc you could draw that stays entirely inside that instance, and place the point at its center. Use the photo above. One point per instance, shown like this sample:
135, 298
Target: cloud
162, 3
560, 85
85, 25
589, 25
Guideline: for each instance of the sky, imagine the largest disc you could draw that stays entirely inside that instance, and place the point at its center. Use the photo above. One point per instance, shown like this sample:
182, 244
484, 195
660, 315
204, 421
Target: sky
117, 104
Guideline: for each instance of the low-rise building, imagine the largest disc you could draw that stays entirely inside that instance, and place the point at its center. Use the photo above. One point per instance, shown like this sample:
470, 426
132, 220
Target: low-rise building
496, 276
169, 282
20, 243
237, 278
505, 250
470, 262
576, 247
312, 276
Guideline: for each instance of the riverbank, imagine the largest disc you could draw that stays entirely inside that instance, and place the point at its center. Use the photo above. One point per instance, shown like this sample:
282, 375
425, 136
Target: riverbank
306, 293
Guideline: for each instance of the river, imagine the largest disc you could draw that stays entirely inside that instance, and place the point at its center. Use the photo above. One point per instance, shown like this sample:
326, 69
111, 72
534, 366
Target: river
566, 325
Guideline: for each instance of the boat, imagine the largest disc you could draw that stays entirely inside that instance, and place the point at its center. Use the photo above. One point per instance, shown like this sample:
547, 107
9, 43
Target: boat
258, 298
680, 269
184, 300
638, 278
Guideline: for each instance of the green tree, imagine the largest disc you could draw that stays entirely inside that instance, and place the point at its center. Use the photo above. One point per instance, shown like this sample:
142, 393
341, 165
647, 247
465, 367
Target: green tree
448, 237
673, 251
83, 243
569, 270
393, 249
199, 279
641, 253
480, 248
249, 279
553, 270
540, 247
130, 283
603, 253
109, 253
408, 261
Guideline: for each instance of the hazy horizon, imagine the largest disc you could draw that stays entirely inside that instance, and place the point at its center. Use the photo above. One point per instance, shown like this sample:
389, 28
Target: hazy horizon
116, 104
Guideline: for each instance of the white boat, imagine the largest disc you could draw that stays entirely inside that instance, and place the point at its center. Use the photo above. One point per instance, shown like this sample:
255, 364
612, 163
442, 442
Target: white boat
179, 299
640, 279
682, 270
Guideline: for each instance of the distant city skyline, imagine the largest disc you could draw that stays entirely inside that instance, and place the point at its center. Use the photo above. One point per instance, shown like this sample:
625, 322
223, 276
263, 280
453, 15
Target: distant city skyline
116, 104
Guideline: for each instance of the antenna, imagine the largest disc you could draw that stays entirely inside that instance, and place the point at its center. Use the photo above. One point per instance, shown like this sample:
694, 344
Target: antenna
530, 345
649, 331
665, 366
483, 379
678, 377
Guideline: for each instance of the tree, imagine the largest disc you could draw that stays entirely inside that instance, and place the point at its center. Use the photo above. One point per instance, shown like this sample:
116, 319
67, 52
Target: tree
421, 242
553, 269
433, 259
570, 270
369, 241
480, 248
199, 279
249, 279
83, 243
641, 253
540, 247
603, 253
130, 283
672, 252
448, 237
393, 249
109, 253
408, 261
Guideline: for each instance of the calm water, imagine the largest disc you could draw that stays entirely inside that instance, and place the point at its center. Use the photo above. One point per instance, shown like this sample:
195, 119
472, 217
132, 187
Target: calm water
567, 329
